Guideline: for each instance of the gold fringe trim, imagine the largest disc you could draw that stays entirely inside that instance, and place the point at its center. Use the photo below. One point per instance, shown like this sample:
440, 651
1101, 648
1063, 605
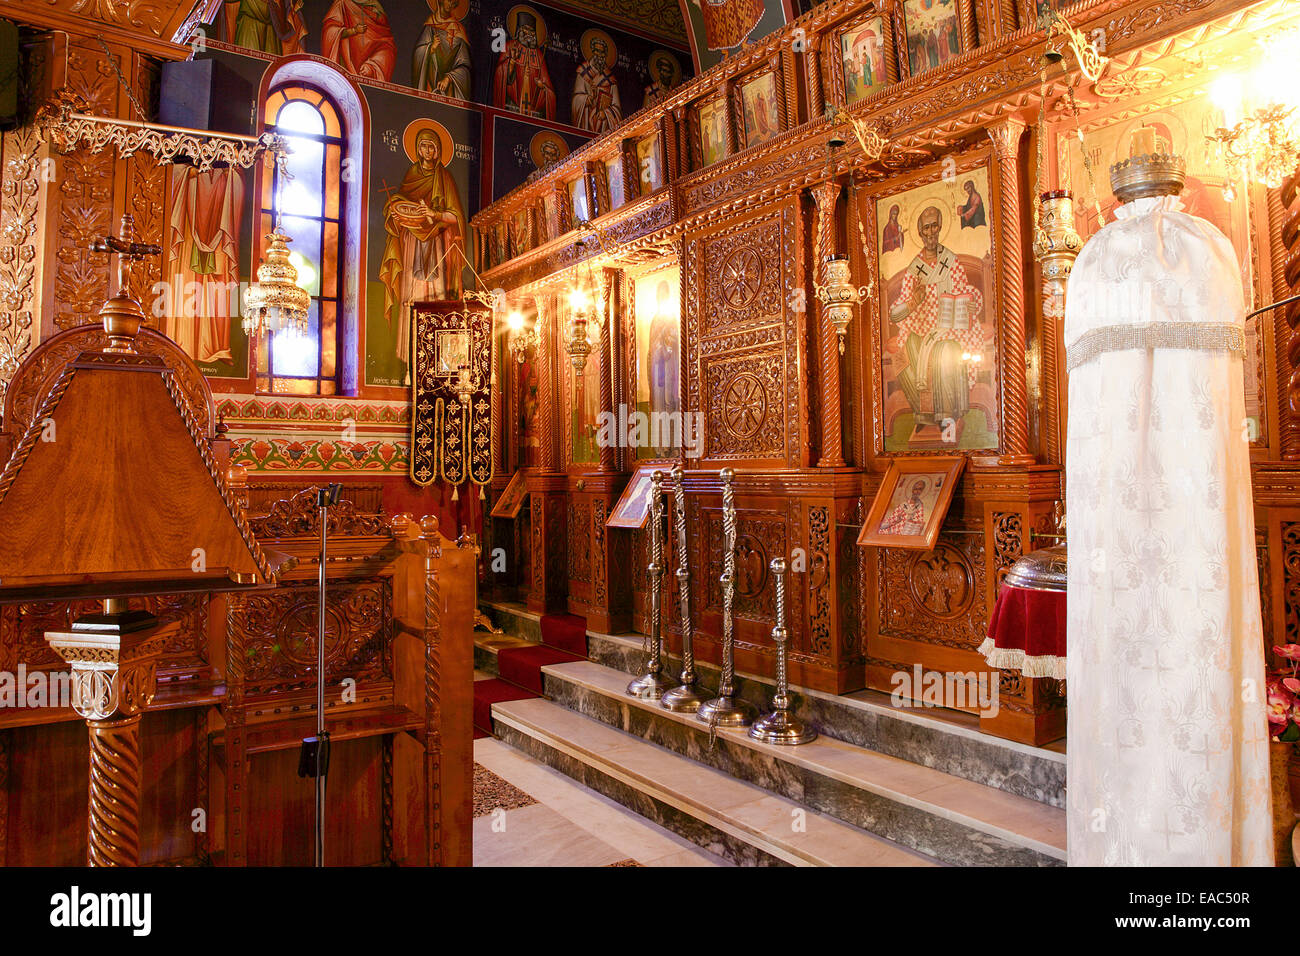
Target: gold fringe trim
1014, 659
1203, 336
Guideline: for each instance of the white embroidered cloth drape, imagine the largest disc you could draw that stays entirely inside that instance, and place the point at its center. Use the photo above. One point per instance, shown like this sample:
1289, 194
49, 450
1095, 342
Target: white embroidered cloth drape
1167, 756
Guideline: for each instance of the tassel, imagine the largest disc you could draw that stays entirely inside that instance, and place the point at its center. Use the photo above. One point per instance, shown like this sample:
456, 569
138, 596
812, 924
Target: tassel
482, 496
455, 492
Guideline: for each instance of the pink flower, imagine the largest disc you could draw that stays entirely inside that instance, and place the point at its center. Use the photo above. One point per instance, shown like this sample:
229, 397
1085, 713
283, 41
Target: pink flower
1290, 651
1280, 704
1291, 684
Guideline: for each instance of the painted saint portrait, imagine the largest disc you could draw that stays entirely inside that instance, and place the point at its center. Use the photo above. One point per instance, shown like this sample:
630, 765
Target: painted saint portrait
425, 223
972, 210
522, 82
665, 75
356, 36
939, 341
441, 63
658, 349
578, 198
933, 33
203, 257
892, 237
547, 148
521, 239
728, 23
614, 176
596, 105
911, 505
647, 158
584, 406
271, 26
761, 109
713, 131
551, 215
862, 50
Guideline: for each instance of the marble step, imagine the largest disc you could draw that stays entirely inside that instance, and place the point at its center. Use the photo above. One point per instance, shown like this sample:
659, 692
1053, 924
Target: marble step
931, 737
948, 817
733, 819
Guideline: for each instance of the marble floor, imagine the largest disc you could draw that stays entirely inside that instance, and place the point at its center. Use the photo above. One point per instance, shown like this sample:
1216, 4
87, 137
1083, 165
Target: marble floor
527, 814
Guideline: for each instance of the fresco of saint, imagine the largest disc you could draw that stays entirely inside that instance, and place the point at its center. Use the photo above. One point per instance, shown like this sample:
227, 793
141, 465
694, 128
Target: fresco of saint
595, 105
667, 75
522, 82
423, 220
271, 26
442, 55
203, 257
356, 36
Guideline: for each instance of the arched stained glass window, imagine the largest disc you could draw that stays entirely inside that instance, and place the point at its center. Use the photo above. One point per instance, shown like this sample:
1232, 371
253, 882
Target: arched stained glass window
311, 199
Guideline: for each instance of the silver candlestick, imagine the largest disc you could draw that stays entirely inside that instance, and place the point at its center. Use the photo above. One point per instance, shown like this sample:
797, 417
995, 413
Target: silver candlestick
781, 726
727, 710
683, 698
652, 684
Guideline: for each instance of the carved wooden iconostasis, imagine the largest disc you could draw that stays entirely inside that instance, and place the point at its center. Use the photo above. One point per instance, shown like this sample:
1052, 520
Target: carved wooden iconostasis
730, 187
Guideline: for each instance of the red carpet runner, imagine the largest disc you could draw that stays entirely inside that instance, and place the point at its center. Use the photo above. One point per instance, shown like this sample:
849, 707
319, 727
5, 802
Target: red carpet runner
564, 639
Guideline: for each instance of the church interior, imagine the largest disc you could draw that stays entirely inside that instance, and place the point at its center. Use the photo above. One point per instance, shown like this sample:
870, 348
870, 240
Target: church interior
649, 433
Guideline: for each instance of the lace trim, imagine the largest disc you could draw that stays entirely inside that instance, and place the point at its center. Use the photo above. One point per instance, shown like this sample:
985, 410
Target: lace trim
1014, 659
1165, 335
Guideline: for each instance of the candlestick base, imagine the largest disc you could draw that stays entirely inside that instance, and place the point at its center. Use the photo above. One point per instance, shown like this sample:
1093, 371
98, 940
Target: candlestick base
649, 686
783, 728
683, 699
727, 711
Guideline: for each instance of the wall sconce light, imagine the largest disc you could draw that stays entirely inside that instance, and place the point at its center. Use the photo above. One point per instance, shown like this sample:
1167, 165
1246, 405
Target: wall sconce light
1260, 135
520, 338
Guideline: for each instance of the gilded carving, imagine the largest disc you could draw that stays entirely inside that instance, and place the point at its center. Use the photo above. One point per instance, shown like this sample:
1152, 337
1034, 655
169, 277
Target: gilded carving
1291, 580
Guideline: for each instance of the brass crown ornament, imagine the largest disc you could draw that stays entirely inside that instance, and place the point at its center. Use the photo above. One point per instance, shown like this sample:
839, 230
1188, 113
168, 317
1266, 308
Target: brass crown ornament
1148, 174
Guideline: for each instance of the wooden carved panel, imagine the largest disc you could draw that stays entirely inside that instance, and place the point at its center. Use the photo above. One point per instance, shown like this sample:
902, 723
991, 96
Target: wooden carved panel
819, 581
23, 627
743, 337
743, 281
85, 199
20, 192
936, 596
277, 633
580, 541
745, 415
760, 536
1291, 580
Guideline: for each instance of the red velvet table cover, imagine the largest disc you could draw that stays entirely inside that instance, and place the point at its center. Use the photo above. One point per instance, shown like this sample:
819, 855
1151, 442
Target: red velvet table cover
1027, 632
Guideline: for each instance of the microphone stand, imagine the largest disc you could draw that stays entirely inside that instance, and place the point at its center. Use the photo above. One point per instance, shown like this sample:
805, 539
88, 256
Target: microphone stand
314, 759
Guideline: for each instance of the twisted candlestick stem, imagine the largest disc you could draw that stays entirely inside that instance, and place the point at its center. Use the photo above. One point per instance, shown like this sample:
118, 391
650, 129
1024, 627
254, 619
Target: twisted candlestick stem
656, 566
683, 578
780, 635
728, 580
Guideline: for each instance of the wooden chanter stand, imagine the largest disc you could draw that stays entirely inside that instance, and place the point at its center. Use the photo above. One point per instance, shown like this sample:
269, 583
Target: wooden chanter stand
86, 516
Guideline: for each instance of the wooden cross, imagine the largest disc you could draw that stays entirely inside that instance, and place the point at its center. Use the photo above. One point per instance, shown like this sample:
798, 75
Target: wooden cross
127, 250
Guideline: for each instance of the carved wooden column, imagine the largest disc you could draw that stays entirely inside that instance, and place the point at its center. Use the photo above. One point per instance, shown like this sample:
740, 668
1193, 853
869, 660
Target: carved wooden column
113, 681
812, 63
1006, 136
827, 194
1288, 338
547, 486
608, 451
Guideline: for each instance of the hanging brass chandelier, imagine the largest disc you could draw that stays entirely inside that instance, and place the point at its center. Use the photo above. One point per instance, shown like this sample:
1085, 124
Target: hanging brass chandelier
275, 302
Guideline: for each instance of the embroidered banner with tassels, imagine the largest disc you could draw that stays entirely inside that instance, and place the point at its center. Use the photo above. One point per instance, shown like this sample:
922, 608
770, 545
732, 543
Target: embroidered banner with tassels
450, 441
